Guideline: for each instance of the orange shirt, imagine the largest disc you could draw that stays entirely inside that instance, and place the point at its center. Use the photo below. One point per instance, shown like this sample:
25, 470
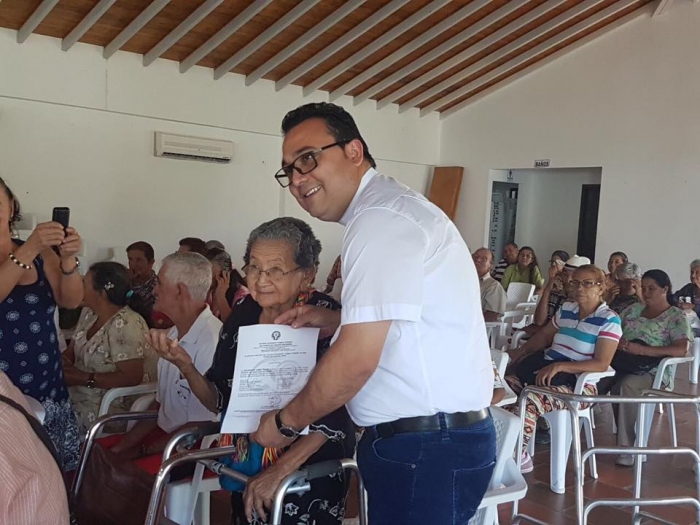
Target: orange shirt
33, 492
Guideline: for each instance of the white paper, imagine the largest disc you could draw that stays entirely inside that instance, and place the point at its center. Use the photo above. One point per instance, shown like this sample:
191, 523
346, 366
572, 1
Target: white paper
273, 363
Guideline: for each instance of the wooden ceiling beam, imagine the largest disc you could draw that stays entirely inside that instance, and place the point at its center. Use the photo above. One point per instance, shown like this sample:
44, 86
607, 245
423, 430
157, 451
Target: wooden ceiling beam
181, 30
646, 10
223, 34
536, 33
305, 39
410, 47
583, 25
339, 44
443, 48
86, 23
396, 31
134, 27
35, 19
267, 35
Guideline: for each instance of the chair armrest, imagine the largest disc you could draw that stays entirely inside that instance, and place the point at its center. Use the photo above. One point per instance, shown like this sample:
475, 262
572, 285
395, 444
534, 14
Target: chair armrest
591, 378
124, 391
525, 306
665, 363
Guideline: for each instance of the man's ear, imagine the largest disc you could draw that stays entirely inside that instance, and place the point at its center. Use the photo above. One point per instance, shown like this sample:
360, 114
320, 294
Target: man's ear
355, 151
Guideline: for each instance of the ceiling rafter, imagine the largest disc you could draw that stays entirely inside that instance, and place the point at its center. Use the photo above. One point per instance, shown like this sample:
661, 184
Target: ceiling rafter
443, 48
134, 27
410, 47
376, 45
645, 10
181, 30
276, 28
513, 63
223, 34
536, 33
305, 39
340, 43
86, 23
41, 12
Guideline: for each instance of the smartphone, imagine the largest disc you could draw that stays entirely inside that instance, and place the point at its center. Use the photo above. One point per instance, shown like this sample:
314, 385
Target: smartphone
61, 215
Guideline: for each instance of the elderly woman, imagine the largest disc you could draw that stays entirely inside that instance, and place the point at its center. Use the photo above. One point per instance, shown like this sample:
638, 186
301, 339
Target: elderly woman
281, 260
524, 271
651, 331
688, 297
109, 348
629, 287
582, 337
616, 259
33, 280
227, 287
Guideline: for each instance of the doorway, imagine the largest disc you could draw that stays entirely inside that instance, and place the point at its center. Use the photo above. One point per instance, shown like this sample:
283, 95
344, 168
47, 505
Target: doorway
588, 220
504, 210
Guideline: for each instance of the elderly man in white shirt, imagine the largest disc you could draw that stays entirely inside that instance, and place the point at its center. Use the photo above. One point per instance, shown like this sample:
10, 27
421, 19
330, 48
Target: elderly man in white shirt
493, 296
181, 292
411, 335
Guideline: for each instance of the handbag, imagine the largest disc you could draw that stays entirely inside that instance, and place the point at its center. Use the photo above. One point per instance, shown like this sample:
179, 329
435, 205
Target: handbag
250, 459
527, 369
114, 491
638, 365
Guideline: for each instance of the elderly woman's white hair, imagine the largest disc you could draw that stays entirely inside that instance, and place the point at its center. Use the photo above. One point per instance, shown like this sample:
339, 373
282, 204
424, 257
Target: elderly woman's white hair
628, 270
191, 269
695, 264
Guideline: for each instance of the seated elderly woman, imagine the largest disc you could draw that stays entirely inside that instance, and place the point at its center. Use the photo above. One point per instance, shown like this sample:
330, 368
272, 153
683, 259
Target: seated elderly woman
616, 259
628, 290
109, 348
651, 331
227, 286
582, 337
281, 260
524, 271
688, 297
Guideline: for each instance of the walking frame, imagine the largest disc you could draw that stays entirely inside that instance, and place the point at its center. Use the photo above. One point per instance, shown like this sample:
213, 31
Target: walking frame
648, 401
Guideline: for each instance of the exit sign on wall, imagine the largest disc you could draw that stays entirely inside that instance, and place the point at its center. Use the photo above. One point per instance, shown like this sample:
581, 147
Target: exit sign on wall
542, 163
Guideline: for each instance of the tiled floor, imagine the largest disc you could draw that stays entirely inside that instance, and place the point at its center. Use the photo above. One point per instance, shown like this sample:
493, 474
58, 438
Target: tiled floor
662, 477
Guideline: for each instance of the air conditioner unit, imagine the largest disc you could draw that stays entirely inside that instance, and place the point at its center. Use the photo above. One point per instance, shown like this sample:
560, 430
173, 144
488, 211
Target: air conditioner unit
193, 148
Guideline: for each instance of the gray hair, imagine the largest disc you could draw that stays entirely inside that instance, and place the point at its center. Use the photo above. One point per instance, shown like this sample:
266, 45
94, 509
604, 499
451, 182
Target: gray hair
210, 245
695, 264
628, 270
191, 269
483, 248
296, 233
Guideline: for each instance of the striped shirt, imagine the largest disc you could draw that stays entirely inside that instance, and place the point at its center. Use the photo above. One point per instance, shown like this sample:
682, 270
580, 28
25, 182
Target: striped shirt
499, 270
576, 338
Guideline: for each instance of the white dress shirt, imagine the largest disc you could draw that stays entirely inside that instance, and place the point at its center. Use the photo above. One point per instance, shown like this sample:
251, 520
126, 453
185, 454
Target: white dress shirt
178, 405
403, 260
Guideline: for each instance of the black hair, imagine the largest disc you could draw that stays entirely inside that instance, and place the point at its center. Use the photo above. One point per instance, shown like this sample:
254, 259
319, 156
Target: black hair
511, 244
113, 278
533, 264
223, 259
144, 247
16, 209
662, 279
622, 255
195, 244
339, 122
564, 256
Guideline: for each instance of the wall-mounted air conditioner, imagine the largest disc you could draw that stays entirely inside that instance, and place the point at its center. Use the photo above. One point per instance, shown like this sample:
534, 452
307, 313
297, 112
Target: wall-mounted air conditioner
192, 148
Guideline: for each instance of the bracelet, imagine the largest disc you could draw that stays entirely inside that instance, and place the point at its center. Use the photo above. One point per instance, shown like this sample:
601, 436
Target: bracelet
19, 263
75, 268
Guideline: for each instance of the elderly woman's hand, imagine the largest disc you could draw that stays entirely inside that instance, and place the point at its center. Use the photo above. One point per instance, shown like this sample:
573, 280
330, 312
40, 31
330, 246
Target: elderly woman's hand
168, 349
46, 235
71, 245
546, 374
324, 318
260, 490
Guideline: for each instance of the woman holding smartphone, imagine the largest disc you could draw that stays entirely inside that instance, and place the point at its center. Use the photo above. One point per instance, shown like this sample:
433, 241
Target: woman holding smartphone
33, 281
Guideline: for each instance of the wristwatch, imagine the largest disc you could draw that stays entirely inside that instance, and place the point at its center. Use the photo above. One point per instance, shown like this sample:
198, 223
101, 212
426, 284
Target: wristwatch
90, 383
285, 430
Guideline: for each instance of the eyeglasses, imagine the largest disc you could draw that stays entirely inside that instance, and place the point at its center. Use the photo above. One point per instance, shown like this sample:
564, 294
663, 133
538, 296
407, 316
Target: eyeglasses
274, 274
585, 284
303, 164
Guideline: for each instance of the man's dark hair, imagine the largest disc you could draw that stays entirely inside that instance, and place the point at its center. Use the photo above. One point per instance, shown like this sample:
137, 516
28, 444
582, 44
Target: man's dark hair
339, 122
195, 245
143, 247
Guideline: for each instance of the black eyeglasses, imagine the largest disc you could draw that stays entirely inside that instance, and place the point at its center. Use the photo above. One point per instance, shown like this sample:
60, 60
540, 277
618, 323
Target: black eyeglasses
303, 164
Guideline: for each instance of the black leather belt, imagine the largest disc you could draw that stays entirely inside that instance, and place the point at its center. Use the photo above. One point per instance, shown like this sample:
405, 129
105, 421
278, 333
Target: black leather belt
431, 423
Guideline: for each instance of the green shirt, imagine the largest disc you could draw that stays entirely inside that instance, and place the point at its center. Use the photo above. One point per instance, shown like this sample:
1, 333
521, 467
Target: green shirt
514, 275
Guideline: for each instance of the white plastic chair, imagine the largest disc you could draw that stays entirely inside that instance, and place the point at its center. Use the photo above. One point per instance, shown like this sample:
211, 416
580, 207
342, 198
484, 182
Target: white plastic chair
695, 365
501, 360
188, 501
518, 293
561, 434
147, 392
507, 483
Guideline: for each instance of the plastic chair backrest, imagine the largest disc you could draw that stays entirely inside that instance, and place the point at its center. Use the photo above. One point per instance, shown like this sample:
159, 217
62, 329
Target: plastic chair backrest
142, 404
501, 360
666, 362
518, 293
507, 432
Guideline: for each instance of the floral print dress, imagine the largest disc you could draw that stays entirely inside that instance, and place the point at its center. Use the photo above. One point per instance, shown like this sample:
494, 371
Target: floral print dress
121, 338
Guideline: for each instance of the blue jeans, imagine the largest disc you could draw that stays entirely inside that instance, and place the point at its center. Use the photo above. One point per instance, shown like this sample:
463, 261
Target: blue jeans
429, 478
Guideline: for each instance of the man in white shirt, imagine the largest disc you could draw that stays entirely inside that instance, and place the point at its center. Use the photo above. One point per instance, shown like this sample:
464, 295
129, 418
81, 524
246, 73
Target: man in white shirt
181, 291
411, 335
493, 296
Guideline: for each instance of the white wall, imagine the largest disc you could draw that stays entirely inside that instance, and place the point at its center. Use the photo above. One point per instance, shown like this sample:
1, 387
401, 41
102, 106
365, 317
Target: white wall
76, 130
549, 204
629, 102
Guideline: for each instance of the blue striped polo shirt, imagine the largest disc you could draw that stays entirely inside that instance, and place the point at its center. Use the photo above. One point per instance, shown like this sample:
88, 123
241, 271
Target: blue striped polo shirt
576, 338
